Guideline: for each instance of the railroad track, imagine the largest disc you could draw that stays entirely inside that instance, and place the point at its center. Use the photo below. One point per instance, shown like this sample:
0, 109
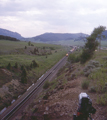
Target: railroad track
28, 94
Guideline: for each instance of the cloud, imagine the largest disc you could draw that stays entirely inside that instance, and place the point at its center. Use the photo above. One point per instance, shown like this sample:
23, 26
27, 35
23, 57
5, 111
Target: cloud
34, 17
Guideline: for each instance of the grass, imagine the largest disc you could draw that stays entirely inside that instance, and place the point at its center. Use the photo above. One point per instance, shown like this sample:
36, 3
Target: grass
20, 58
102, 99
12, 47
25, 59
98, 79
7, 48
85, 84
76, 43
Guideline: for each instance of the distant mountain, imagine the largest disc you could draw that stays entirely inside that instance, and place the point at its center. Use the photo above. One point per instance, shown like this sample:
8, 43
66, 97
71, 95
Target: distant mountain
10, 33
46, 37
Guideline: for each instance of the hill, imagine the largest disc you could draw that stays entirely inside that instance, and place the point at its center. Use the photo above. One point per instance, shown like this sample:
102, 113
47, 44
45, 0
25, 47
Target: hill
53, 38
5, 32
47, 37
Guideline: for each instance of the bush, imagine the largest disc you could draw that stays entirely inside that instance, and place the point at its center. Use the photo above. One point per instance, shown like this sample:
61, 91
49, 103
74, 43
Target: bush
22, 67
25, 47
24, 76
23, 80
73, 58
85, 84
92, 89
46, 85
102, 100
92, 66
9, 66
35, 64
16, 65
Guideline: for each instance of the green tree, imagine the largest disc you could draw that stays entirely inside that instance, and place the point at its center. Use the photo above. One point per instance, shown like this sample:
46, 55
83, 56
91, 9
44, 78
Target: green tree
16, 65
29, 43
25, 47
98, 34
9, 66
22, 67
35, 64
24, 76
31, 65
91, 44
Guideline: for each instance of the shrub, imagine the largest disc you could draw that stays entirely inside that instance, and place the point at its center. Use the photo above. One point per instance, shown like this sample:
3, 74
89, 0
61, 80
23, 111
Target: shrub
35, 64
23, 79
9, 66
31, 65
32, 45
102, 100
45, 97
25, 47
85, 84
93, 89
24, 76
29, 43
92, 66
16, 65
73, 58
46, 85
22, 67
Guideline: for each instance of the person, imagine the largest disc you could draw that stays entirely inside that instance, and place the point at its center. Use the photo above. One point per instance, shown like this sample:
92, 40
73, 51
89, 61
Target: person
85, 107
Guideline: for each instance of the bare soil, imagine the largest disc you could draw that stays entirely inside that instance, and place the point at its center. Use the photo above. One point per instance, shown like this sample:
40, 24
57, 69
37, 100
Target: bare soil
62, 104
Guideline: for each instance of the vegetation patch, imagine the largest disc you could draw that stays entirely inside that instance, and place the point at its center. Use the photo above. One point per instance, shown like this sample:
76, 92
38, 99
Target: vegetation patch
90, 67
102, 99
46, 85
85, 84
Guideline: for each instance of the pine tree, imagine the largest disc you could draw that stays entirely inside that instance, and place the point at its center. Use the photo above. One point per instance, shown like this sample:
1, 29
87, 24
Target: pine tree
24, 76
9, 66
16, 65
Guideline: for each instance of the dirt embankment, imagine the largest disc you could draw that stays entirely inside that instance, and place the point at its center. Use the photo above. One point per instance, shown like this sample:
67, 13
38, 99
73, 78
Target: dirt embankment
62, 102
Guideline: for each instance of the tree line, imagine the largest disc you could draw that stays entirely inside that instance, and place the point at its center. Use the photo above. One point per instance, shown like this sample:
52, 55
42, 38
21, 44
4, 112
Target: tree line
2, 37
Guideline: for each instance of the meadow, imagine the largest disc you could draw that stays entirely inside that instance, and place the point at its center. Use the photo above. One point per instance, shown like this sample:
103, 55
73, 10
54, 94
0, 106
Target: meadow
15, 52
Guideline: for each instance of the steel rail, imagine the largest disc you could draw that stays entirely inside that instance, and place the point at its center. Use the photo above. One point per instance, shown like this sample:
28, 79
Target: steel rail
11, 112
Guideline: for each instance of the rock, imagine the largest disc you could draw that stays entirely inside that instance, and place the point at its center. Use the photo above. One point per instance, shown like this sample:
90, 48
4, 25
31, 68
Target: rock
47, 108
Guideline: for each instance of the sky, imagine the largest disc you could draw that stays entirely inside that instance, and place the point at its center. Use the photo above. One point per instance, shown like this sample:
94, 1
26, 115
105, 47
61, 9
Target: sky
34, 17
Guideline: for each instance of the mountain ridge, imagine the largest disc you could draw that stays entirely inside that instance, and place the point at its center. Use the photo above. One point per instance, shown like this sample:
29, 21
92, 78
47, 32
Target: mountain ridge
59, 36
48, 37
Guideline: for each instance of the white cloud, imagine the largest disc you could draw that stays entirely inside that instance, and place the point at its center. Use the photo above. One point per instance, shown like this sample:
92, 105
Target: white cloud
34, 17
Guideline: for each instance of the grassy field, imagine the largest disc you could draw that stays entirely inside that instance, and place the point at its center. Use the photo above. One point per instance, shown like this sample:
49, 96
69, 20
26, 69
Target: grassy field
78, 43
15, 52
8, 46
